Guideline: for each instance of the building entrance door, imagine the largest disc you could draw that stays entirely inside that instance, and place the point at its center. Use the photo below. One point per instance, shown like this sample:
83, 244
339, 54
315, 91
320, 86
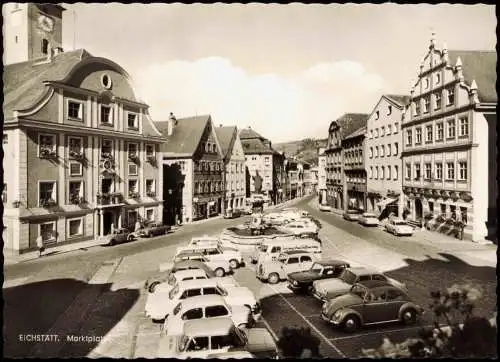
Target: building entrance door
107, 220
418, 209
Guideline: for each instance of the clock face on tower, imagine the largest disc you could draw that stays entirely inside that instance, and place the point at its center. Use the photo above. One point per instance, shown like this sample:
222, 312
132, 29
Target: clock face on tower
45, 23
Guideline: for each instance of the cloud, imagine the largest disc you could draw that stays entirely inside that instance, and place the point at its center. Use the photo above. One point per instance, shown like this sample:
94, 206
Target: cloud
278, 107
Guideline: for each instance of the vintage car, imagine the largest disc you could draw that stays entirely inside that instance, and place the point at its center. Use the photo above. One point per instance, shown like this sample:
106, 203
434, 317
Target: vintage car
331, 288
153, 229
368, 219
352, 215
216, 252
172, 268
273, 271
190, 274
233, 213
206, 307
118, 236
203, 338
220, 267
371, 302
398, 227
160, 304
325, 208
321, 269
300, 227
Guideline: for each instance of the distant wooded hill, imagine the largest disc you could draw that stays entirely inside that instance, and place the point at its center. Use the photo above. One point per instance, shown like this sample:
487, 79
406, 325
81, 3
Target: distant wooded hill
305, 150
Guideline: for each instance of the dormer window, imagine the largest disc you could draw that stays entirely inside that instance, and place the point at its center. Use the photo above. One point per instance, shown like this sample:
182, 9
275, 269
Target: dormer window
75, 110
132, 120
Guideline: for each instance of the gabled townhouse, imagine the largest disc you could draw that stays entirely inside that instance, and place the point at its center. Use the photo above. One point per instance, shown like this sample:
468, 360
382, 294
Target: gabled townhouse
193, 169
234, 167
264, 164
449, 143
80, 149
335, 180
322, 190
383, 155
353, 146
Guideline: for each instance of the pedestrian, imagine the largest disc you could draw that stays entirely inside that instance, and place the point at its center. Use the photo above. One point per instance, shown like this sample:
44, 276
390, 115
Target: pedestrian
40, 246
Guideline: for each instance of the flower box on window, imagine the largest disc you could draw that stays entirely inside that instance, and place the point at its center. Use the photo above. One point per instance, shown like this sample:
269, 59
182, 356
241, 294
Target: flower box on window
47, 202
454, 196
445, 194
76, 199
133, 157
76, 155
134, 195
466, 196
107, 156
47, 152
151, 193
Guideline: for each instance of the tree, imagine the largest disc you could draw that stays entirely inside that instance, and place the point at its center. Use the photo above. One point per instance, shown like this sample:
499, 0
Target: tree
463, 336
298, 343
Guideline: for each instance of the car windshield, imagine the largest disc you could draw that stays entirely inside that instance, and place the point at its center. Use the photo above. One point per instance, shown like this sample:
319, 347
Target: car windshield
352, 212
318, 268
359, 291
177, 309
348, 276
174, 292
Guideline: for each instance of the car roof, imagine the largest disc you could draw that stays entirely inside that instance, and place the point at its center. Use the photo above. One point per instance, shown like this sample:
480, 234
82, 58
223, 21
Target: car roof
188, 263
208, 326
372, 284
364, 270
202, 300
189, 252
189, 273
294, 252
330, 262
186, 284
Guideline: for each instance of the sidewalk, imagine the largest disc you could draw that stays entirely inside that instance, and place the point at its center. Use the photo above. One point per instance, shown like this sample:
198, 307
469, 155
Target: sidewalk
485, 251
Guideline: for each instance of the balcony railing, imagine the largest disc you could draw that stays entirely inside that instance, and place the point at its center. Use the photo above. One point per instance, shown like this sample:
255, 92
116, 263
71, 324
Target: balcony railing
150, 193
109, 198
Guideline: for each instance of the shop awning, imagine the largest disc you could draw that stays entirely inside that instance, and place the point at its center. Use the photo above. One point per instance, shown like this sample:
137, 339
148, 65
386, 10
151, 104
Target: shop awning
386, 202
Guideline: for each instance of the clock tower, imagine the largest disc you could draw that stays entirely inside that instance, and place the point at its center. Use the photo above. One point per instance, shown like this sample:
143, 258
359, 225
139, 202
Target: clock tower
31, 30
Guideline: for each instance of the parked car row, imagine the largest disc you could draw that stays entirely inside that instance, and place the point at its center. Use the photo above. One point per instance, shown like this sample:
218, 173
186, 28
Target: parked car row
393, 225
123, 235
203, 313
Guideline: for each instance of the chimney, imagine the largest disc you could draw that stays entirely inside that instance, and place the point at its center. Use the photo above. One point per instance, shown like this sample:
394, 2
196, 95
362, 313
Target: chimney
172, 122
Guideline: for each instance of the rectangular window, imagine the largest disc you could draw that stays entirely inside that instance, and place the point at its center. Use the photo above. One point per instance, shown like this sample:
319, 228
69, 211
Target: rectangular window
437, 101
150, 215
46, 145
428, 171
439, 131
47, 193
418, 136
464, 126
75, 146
451, 128
396, 172
106, 148
439, 170
416, 107
132, 169
132, 120
382, 131
133, 151
150, 150
75, 168
427, 104
462, 170
106, 114
5, 139
133, 187
396, 149
75, 192
417, 171
75, 110
4, 193
408, 171
47, 231
428, 133
450, 99
150, 188
75, 227
409, 138
450, 171
396, 127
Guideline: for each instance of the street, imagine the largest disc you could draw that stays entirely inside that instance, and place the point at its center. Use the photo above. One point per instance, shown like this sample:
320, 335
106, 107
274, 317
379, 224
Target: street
93, 300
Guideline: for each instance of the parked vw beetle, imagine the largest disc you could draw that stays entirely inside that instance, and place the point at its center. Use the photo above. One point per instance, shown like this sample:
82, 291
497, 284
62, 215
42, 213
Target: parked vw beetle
371, 302
153, 229
118, 236
398, 227
322, 269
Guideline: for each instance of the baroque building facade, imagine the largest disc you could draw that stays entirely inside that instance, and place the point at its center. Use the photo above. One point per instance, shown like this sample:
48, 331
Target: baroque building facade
353, 146
449, 133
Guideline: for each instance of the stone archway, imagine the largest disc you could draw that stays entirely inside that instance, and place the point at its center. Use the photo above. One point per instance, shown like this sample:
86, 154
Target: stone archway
418, 209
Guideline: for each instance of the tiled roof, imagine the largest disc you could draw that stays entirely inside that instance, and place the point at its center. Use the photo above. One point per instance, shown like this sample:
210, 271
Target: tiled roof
226, 137
23, 82
351, 122
185, 137
481, 66
248, 133
255, 146
402, 100
358, 132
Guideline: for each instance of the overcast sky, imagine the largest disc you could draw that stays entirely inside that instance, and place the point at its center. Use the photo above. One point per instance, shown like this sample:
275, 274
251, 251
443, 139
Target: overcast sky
285, 70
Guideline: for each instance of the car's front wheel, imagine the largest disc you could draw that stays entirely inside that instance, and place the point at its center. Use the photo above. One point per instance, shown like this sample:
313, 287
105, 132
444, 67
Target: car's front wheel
130, 238
409, 316
273, 278
233, 263
219, 272
153, 286
351, 323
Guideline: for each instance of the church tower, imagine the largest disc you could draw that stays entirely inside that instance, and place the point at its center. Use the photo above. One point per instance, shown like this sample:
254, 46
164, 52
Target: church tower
31, 30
